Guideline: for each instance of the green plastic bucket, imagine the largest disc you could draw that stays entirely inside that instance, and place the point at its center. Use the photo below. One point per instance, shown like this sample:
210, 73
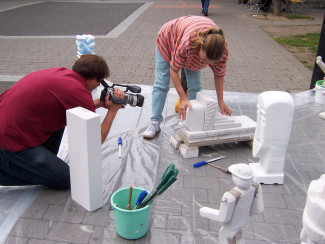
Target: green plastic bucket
130, 224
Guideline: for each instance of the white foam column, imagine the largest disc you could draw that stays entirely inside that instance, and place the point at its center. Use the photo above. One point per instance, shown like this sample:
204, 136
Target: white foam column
84, 138
271, 138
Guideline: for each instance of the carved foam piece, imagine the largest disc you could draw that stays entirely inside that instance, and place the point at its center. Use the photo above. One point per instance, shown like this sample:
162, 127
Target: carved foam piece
204, 125
210, 109
195, 117
223, 135
85, 44
176, 141
320, 63
188, 151
271, 138
313, 230
237, 205
84, 139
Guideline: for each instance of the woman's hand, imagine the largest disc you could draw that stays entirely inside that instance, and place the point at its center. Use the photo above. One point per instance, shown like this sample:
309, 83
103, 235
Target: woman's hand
182, 108
224, 109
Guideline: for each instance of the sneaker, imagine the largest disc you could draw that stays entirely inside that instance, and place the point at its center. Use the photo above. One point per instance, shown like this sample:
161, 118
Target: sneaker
152, 130
206, 13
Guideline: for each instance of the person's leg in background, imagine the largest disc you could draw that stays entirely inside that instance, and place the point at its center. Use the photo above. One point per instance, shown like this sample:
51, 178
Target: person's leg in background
205, 7
159, 95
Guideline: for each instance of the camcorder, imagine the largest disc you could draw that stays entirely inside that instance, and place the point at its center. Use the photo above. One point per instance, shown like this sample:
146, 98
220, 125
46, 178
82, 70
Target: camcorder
131, 99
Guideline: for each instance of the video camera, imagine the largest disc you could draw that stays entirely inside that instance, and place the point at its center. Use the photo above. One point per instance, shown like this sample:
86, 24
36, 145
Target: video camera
132, 99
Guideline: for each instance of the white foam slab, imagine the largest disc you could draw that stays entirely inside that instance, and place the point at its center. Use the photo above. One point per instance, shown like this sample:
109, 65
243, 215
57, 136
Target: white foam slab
247, 125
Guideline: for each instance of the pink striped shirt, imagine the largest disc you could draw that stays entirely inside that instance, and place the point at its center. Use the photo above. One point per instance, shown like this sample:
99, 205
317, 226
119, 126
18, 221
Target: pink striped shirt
174, 45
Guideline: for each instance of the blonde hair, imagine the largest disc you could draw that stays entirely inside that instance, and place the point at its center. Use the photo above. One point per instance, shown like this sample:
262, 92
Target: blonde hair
213, 43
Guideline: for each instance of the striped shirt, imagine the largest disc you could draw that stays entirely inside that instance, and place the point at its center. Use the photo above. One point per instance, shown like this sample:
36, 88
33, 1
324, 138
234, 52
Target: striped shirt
173, 43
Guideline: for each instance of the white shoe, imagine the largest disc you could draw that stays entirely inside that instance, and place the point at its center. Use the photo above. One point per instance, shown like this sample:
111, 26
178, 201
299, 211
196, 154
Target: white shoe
152, 130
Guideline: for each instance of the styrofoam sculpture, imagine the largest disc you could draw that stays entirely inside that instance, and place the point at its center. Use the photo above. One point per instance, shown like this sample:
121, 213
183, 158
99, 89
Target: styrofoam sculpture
313, 219
85, 44
237, 205
204, 126
320, 89
320, 63
272, 134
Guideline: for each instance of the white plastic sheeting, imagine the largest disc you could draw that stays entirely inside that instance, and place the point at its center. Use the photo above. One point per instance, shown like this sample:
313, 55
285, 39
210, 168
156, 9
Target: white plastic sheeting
175, 217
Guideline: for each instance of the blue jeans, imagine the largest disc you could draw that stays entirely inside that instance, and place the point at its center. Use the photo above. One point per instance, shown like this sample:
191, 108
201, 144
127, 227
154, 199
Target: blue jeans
205, 5
161, 86
35, 166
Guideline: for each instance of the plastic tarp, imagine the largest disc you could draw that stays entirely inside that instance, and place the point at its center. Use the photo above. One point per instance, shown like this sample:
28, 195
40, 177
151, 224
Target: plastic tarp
175, 214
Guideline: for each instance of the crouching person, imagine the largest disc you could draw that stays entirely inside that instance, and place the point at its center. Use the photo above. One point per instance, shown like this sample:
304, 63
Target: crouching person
33, 118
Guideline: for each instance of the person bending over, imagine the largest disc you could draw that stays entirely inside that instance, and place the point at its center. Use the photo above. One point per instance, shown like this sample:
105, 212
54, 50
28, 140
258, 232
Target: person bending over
192, 42
33, 118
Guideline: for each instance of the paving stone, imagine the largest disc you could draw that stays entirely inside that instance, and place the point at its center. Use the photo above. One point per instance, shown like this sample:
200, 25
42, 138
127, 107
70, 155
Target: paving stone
273, 200
295, 202
35, 241
97, 217
275, 232
53, 197
70, 232
201, 182
70, 214
163, 237
36, 211
31, 228
16, 240
167, 207
98, 235
159, 221
188, 194
179, 223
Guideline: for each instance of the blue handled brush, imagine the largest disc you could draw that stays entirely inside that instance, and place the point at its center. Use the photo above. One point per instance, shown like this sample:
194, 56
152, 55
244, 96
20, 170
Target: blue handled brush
199, 164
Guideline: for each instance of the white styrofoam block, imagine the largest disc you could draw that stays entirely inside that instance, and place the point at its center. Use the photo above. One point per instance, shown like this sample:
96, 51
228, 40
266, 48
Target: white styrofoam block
313, 230
273, 129
226, 125
210, 109
175, 140
84, 138
195, 117
266, 178
188, 152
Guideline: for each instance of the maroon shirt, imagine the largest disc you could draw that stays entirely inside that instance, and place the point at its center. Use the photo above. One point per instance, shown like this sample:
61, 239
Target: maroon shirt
33, 108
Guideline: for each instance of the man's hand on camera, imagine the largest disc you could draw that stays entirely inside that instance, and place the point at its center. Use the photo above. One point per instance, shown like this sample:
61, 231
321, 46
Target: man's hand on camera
112, 106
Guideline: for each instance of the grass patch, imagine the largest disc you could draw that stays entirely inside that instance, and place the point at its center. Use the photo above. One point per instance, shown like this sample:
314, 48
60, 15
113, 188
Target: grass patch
309, 40
303, 46
295, 16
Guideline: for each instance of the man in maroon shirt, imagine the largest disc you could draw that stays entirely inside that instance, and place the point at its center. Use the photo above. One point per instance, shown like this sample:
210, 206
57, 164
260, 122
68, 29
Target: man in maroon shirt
33, 117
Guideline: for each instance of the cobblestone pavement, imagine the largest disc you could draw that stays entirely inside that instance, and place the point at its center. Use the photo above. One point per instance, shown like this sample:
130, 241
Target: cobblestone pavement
256, 64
